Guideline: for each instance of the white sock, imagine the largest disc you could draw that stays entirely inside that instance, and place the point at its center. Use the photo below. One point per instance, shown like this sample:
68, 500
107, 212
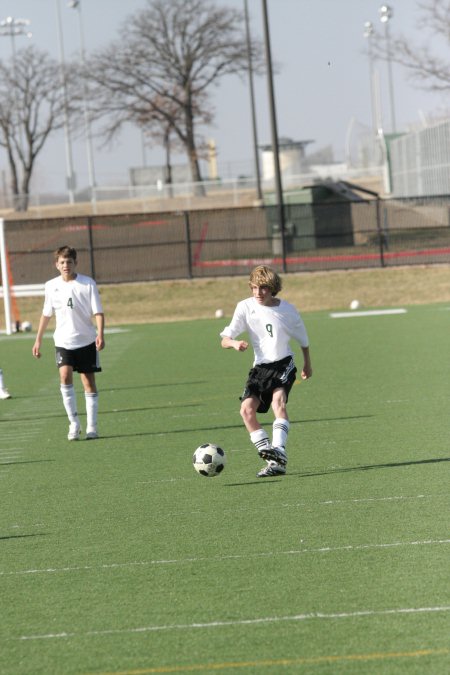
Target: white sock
1, 378
280, 432
260, 439
91, 409
70, 401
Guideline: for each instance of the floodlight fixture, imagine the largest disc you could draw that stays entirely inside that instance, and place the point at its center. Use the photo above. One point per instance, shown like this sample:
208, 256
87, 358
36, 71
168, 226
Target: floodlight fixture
386, 13
368, 34
12, 27
76, 4
368, 29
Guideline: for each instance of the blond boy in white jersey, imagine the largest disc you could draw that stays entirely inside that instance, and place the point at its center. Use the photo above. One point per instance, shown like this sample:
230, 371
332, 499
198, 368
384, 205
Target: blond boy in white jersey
74, 299
270, 323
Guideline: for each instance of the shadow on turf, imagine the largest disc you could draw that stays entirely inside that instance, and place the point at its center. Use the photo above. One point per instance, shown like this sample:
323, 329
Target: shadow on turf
178, 431
154, 385
113, 411
119, 388
22, 536
263, 481
332, 419
31, 461
368, 467
388, 465
217, 427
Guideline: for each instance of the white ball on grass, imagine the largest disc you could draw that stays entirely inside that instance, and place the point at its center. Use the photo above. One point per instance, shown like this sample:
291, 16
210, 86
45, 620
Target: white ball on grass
355, 304
209, 460
219, 313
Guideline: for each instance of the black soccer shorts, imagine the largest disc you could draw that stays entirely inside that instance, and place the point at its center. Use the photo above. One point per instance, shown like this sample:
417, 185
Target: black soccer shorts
264, 378
83, 360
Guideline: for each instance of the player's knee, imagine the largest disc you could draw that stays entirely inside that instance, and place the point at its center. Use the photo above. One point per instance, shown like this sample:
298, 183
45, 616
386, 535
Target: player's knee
246, 410
243, 412
279, 406
65, 378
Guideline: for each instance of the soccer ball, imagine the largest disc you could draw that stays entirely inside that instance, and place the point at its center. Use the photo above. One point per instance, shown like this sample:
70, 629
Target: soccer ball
26, 326
355, 304
209, 460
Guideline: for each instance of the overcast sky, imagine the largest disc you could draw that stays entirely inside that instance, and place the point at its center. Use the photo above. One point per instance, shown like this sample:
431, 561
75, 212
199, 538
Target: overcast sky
322, 83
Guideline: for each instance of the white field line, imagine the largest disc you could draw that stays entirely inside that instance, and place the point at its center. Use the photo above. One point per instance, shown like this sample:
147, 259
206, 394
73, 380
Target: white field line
242, 622
362, 500
23, 434
18, 452
367, 312
162, 480
296, 505
219, 558
111, 331
29, 431
45, 405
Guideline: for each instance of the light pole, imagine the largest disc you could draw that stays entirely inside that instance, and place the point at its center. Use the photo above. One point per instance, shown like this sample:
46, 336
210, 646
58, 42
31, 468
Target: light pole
377, 121
76, 4
252, 102
385, 15
68, 142
274, 130
368, 33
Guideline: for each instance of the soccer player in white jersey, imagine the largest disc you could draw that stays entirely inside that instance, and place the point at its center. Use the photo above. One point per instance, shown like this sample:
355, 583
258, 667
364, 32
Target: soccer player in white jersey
74, 299
270, 324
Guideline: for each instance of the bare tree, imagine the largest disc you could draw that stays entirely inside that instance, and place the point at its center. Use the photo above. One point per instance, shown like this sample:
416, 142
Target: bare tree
31, 108
163, 66
160, 129
426, 68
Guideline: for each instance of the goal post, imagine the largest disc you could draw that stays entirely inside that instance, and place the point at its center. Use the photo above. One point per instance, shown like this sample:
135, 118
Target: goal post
6, 287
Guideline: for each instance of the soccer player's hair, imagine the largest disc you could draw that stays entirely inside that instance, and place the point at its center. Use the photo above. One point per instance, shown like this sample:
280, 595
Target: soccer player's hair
266, 276
65, 252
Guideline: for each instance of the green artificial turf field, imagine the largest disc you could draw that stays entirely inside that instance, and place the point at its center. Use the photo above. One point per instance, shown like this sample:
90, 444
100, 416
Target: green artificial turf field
116, 557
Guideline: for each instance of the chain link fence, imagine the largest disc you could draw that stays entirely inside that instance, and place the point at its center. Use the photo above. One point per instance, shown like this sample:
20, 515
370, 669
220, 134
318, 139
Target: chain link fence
420, 162
229, 242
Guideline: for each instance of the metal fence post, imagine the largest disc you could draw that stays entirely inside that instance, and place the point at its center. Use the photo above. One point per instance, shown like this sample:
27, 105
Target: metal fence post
5, 279
380, 234
91, 246
187, 230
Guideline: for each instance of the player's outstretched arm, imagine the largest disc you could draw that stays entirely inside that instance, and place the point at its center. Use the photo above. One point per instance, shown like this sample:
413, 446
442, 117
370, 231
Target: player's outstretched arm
238, 345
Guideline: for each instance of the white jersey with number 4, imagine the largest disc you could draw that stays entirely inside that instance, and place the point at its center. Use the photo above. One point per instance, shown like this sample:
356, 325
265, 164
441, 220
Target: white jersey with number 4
270, 329
73, 303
